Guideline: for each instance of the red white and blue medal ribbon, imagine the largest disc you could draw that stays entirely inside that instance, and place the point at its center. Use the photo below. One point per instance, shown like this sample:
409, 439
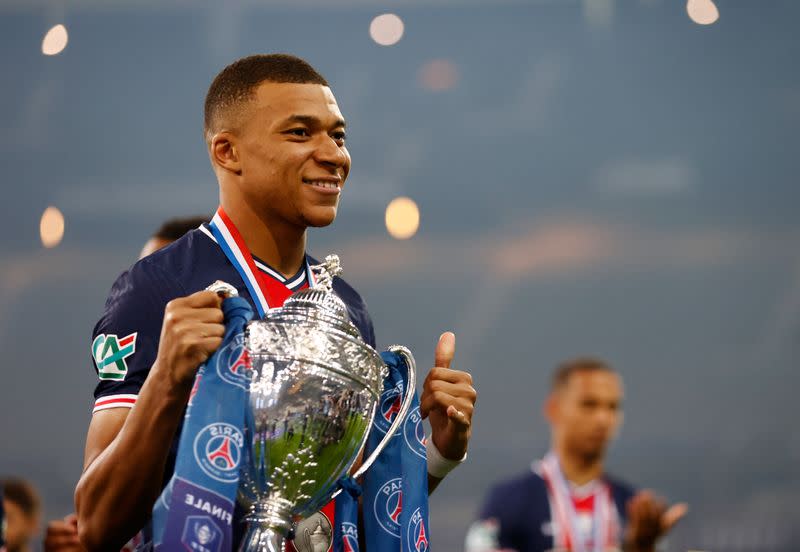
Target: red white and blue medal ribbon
200, 484
569, 530
267, 293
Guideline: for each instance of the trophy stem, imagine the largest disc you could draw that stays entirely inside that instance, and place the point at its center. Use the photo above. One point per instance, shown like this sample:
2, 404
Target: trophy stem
266, 530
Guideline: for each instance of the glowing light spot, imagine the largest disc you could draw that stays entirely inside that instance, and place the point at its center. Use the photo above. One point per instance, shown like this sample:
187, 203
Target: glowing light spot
55, 40
599, 13
386, 29
702, 12
438, 75
402, 218
51, 227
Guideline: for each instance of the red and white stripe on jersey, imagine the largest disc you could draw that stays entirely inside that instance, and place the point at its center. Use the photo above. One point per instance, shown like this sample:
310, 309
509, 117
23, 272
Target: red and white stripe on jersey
294, 285
114, 401
584, 518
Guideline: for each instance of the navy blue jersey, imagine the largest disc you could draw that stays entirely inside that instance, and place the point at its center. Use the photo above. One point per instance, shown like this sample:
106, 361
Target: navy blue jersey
125, 340
516, 515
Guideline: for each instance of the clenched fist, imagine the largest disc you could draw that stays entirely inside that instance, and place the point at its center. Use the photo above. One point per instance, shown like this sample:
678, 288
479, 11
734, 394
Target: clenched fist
191, 332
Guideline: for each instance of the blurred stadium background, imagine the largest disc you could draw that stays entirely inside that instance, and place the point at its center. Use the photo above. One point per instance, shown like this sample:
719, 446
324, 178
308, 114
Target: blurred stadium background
615, 177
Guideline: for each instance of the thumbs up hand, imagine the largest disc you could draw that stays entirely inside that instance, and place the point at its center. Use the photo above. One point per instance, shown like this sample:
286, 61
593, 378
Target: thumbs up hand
448, 400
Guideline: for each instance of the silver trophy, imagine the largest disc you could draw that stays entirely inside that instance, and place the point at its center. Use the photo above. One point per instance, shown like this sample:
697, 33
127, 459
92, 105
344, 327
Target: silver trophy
314, 390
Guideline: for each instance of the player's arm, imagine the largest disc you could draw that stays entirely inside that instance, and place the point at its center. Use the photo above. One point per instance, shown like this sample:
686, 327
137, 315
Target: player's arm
126, 450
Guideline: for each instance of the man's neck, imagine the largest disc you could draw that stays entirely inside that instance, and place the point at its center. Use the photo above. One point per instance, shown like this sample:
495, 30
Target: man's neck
577, 469
280, 245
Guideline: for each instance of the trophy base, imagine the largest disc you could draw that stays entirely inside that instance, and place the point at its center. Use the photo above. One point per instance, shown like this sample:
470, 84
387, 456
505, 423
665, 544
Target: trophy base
266, 531
262, 539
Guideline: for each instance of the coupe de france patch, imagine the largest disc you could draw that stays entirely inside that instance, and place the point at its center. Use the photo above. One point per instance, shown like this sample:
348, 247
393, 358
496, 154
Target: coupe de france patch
109, 353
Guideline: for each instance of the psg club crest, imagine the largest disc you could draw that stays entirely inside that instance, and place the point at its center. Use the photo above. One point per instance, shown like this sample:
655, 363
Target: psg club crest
110, 352
414, 433
417, 538
389, 407
388, 505
200, 533
349, 537
233, 363
217, 450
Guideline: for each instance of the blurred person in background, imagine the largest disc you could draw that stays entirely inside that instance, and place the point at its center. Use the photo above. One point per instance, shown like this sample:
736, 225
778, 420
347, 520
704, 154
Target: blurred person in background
2, 523
567, 501
170, 231
62, 534
22, 510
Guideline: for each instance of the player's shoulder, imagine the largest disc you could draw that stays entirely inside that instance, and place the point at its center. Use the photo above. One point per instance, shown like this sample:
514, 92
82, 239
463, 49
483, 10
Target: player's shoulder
348, 294
170, 271
140, 293
517, 492
183, 260
528, 480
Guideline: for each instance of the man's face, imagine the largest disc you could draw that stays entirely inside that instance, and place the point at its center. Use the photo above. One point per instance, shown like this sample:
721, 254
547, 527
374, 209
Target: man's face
587, 411
20, 528
291, 146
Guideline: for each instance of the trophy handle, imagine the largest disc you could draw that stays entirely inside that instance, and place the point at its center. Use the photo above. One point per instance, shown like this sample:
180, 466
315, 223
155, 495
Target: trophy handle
408, 396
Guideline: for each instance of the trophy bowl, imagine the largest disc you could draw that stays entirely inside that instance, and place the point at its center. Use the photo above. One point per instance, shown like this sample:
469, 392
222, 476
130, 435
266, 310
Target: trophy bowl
313, 393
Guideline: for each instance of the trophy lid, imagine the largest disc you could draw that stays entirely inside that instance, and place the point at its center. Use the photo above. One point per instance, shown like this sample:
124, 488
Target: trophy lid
320, 301
313, 328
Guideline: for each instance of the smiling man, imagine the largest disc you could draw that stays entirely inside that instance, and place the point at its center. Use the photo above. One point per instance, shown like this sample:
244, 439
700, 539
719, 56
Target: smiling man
276, 141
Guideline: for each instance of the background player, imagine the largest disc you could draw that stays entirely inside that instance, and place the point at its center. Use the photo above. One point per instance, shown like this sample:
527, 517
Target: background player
584, 410
22, 510
170, 231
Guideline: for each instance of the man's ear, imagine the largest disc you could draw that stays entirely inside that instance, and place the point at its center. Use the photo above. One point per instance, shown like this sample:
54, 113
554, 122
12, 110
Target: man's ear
550, 408
224, 152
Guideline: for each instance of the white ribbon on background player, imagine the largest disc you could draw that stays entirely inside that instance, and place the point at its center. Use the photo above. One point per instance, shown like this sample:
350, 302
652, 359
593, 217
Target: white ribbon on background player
602, 520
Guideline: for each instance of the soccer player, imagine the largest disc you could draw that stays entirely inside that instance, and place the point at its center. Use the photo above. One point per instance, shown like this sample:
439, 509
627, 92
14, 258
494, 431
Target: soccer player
276, 141
22, 509
567, 501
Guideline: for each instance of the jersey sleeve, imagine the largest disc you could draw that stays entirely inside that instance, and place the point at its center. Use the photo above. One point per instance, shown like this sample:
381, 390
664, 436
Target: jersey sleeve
125, 339
484, 534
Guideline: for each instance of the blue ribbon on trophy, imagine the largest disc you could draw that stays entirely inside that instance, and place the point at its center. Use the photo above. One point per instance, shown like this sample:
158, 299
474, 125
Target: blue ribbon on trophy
195, 511
395, 488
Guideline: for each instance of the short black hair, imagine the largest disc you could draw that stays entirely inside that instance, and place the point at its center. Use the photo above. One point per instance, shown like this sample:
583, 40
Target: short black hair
175, 228
567, 369
22, 493
238, 80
